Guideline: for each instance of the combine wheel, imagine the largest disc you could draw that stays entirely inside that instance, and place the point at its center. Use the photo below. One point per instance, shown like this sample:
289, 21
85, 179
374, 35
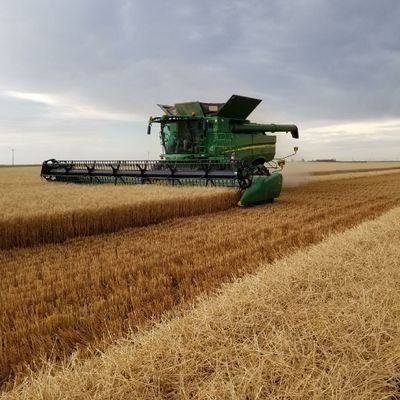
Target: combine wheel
245, 175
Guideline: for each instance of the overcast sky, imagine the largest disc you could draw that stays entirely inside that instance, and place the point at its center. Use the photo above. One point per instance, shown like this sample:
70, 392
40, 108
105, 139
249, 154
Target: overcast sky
79, 78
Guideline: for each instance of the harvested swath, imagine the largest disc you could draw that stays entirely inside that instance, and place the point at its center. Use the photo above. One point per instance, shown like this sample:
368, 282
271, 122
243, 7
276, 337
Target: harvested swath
297, 173
58, 298
36, 212
355, 170
322, 323
311, 167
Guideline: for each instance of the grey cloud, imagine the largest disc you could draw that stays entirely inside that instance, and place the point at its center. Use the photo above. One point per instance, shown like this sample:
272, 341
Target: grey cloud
125, 52
310, 60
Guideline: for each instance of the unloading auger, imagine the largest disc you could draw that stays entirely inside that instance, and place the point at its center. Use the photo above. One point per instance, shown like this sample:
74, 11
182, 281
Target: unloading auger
203, 144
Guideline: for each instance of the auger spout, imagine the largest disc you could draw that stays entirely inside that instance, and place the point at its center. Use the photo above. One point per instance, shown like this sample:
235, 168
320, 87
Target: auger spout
272, 128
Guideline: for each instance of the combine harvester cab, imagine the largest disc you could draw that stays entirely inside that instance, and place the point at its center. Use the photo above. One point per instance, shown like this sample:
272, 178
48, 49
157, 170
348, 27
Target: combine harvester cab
203, 144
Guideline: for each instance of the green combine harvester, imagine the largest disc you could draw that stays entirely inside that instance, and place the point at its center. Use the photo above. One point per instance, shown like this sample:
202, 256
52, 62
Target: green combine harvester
203, 144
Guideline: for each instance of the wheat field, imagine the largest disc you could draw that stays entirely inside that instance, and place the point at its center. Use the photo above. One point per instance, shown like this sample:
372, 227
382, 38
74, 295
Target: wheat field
58, 298
321, 324
24, 193
36, 212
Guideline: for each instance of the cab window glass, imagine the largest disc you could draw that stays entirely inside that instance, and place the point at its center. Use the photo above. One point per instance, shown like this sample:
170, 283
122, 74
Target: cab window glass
182, 136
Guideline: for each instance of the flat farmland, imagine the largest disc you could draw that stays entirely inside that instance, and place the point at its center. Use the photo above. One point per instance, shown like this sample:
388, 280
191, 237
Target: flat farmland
36, 212
59, 298
321, 323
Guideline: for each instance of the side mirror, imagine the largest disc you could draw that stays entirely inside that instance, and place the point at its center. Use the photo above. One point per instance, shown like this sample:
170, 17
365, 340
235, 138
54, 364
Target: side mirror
149, 126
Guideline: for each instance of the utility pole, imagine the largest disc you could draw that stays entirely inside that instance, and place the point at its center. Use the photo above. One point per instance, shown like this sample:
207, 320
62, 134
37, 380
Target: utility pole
12, 156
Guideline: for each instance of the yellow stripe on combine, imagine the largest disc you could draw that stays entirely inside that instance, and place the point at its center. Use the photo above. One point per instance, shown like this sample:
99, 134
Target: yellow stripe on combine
255, 146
